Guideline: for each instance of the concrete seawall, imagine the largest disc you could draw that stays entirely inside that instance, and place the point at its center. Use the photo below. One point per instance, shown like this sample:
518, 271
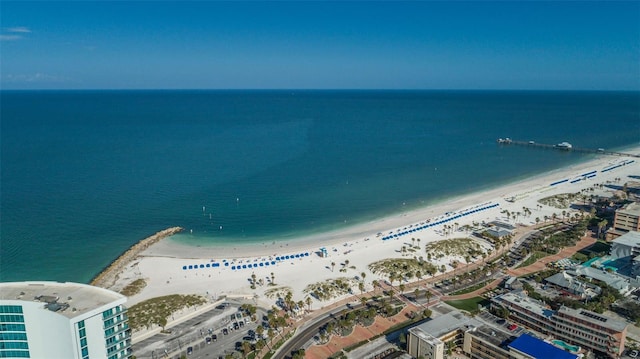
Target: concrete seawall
109, 275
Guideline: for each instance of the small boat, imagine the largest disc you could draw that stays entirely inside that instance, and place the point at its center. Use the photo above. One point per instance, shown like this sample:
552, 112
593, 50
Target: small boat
564, 145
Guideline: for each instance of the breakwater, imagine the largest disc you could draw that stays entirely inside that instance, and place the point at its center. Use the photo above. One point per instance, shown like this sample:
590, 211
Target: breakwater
109, 275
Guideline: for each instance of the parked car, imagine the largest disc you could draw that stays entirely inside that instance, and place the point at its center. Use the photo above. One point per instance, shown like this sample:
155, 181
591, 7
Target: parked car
633, 353
189, 350
225, 331
214, 337
208, 340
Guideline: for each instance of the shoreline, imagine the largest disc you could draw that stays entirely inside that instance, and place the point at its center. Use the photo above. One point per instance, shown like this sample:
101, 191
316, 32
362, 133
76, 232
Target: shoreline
109, 275
173, 247
171, 267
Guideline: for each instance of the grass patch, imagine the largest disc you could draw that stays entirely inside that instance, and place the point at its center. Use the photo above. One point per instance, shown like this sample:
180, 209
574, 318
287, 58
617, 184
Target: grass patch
599, 247
470, 305
158, 310
472, 288
133, 288
534, 257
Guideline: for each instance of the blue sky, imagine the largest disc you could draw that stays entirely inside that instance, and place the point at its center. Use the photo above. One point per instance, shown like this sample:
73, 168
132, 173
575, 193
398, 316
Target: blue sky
320, 45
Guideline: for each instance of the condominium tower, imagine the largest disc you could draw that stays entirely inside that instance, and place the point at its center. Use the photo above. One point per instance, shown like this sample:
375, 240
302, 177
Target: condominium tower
62, 321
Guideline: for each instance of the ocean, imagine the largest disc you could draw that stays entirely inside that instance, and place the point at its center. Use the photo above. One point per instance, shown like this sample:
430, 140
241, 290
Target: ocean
86, 174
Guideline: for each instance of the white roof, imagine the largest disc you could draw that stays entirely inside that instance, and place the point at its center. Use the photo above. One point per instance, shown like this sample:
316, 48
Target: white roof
71, 299
631, 239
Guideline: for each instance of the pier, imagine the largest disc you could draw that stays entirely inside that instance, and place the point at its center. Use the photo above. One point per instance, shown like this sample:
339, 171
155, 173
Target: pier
564, 146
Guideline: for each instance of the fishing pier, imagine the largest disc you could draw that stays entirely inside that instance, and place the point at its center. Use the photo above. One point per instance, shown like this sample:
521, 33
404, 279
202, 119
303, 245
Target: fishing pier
564, 146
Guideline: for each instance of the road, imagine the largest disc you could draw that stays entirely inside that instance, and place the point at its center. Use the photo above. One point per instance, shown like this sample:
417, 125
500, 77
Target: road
311, 329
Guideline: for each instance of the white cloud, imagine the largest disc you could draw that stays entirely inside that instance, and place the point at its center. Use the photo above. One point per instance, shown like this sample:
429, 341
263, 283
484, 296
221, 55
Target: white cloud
10, 37
37, 77
21, 29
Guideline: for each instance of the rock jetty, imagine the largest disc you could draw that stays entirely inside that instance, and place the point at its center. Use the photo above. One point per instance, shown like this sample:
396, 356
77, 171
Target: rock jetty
109, 275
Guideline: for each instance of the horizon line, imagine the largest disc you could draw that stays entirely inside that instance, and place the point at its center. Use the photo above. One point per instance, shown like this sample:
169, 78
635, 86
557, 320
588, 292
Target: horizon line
320, 90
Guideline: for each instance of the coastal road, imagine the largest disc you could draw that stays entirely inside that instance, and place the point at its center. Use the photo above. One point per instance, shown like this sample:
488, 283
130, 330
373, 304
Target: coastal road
310, 330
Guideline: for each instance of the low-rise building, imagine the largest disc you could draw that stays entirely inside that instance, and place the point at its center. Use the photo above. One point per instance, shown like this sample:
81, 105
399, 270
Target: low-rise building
478, 340
626, 219
581, 328
428, 339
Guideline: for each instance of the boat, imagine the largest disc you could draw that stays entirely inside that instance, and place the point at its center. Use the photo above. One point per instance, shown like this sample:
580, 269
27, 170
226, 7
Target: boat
564, 145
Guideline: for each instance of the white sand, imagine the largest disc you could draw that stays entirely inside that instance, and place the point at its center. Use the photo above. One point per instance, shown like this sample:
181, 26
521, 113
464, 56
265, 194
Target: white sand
162, 264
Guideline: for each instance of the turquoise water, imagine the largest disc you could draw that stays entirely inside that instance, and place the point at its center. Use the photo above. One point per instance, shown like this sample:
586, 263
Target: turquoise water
85, 174
569, 347
590, 262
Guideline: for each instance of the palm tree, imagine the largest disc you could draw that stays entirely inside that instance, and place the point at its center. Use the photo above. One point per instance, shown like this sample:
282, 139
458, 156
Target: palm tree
308, 301
346, 262
333, 264
363, 275
361, 287
246, 348
363, 301
273, 277
428, 294
602, 224
375, 284
401, 286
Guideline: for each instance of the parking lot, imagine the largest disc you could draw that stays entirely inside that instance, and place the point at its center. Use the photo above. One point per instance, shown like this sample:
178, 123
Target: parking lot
202, 336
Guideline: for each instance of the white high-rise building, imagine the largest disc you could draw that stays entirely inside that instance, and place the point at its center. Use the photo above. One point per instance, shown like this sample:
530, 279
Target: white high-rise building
53, 320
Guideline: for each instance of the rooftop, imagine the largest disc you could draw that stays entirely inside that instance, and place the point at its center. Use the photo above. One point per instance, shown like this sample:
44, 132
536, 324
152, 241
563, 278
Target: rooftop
566, 280
594, 318
630, 209
537, 348
525, 302
612, 279
425, 337
68, 299
447, 323
497, 338
631, 239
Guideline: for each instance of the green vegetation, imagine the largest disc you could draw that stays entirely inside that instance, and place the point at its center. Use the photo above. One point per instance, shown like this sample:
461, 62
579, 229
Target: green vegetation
629, 309
598, 248
560, 201
278, 292
460, 247
133, 288
534, 257
470, 305
158, 310
402, 268
330, 288
472, 288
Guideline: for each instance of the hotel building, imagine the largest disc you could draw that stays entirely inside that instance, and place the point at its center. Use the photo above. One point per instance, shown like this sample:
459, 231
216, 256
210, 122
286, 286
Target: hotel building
477, 340
626, 219
579, 327
62, 321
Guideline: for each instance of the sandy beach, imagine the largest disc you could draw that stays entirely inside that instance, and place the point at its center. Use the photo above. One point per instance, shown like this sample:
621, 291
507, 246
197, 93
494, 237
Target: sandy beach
169, 267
